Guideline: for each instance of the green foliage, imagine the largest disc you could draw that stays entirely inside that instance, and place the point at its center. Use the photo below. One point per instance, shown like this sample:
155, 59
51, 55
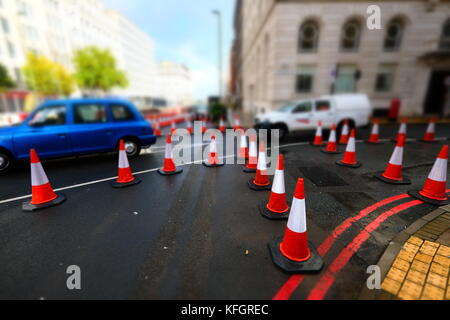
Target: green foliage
217, 110
47, 77
96, 69
5, 80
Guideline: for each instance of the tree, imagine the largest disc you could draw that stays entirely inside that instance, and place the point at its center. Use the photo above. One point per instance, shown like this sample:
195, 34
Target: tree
47, 77
96, 69
5, 80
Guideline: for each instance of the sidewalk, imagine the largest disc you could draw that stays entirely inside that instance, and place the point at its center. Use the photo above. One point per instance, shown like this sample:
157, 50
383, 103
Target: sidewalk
417, 263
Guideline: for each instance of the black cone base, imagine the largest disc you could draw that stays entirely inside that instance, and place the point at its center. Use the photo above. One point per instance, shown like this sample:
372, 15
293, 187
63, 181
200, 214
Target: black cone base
28, 207
354, 166
330, 152
313, 265
266, 213
247, 170
417, 195
255, 187
206, 164
163, 173
380, 177
126, 185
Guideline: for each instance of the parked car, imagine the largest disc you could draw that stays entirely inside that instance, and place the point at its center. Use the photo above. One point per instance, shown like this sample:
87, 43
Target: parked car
65, 128
305, 114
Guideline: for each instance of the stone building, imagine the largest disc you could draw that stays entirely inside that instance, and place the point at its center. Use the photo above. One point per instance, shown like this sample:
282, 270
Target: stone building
294, 49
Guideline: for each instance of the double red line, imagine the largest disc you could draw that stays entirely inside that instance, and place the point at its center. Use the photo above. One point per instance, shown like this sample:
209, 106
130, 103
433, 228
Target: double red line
321, 288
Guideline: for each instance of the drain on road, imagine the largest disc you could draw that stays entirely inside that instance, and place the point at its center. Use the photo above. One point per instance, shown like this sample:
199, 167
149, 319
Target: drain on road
321, 177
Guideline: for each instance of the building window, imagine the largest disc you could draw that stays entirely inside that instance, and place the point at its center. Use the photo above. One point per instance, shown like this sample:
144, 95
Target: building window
11, 50
394, 35
309, 37
385, 79
304, 80
351, 35
445, 38
5, 25
346, 79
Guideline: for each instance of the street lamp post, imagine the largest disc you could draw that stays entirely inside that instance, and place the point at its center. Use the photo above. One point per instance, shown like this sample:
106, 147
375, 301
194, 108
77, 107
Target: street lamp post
219, 19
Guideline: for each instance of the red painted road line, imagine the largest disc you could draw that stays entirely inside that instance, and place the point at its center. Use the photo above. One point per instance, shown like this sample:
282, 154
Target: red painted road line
294, 281
326, 281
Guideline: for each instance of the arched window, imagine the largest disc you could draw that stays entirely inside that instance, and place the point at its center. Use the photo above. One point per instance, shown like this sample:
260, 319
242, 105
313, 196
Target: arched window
394, 35
351, 35
309, 37
445, 37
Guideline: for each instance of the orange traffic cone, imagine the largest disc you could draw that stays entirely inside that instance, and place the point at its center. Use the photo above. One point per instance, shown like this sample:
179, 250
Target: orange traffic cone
393, 173
43, 195
237, 124
344, 134
402, 132
174, 128
169, 165
293, 253
261, 181
252, 156
350, 153
430, 135
222, 125
243, 150
277, 208
204, 129
126, 178
332, 145
318, 140
189, 128
375, 135
434, 190
213, 160
157, 129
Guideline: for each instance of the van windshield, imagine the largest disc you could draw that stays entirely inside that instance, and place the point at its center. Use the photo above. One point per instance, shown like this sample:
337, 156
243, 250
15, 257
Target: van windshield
287, 108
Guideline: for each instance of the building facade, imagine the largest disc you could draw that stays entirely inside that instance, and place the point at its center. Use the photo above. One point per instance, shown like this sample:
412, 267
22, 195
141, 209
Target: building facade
175, 84
295, 49
57, 28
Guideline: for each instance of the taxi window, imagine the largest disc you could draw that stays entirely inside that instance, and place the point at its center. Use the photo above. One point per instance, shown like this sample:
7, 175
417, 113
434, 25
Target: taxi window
323, 106
121, 113
90, 113
50, 116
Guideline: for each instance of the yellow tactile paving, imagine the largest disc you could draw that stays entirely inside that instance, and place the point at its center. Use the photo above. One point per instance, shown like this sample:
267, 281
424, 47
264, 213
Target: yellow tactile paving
431, 292
401, 264
415, 241
444, 251
410, 291
416, 277
411, 248
397, 275
406, 256
424, 258
391, 286
437, 280
420, 266
439, 269
444, 261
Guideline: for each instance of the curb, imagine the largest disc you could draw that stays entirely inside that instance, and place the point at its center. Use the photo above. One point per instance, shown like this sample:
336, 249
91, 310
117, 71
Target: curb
396, 245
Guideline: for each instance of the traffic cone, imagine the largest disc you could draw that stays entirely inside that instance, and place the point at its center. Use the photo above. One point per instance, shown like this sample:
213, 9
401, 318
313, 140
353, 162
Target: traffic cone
344, 134
174, 128
277, 208
261, 181
375, 135
434, 190
252, 163
222, 126
393, 173
213, 160
402, 132
43, 195
318, 140
157, 129
430, 134
125, 178
350, 153
331, 146
189, 128
237, 124
169, 165
293, 253
243, 150
204, 126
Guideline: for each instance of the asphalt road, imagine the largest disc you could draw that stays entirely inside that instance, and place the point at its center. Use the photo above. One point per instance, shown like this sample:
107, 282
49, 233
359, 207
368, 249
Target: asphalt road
186, 236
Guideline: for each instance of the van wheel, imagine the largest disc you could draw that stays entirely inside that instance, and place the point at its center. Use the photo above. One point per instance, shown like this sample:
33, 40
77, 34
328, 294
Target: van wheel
132, 147
284, 132
6, 161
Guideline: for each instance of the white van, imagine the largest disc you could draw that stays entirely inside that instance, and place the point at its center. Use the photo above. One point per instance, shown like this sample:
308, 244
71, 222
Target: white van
305, 114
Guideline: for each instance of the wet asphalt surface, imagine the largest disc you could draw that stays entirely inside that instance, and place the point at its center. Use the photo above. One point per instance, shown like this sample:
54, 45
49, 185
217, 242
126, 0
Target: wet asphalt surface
186, 236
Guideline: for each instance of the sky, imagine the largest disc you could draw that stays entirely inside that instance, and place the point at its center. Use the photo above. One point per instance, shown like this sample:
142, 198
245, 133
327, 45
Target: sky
185, 32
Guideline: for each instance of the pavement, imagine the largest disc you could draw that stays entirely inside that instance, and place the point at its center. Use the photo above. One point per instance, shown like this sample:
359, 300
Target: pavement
199, 235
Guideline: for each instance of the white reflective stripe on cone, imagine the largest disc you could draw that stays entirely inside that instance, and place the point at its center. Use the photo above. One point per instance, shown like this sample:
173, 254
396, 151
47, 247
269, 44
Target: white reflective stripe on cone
213, 147
243, 142
397, 157
431, 128
402, 128
319, 132
297, 217
376, 129
169, 151
345, 130
262, 162
351, 147
38, 176
253, 150
439, 171
123, 160
278, 183
332, 136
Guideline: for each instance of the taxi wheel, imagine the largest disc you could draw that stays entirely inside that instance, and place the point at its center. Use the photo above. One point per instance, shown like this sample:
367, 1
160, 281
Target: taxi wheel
6, 161
133, 148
